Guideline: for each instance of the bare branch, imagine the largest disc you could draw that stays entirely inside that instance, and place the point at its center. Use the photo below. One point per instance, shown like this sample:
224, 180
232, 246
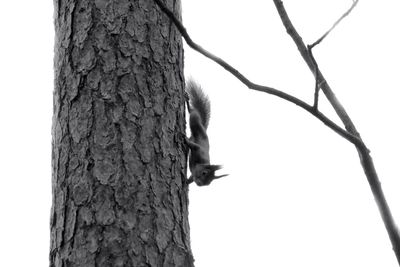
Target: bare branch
269, 90
339, 109
316, 70
355, 2
364, 155
310, 47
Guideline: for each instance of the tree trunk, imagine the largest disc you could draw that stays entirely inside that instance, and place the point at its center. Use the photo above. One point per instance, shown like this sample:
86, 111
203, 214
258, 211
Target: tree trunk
118, 158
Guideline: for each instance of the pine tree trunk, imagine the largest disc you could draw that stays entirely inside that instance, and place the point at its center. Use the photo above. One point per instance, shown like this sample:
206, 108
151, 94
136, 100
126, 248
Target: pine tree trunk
118, 158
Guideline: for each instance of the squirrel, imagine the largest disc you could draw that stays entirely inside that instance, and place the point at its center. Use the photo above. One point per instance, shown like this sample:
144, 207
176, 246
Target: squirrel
202, 172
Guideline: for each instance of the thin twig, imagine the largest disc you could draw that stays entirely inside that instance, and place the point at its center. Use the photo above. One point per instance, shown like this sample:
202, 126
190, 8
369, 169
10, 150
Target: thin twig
355, 2
310, 47
339, 109
364, 154
269, 90
316, 70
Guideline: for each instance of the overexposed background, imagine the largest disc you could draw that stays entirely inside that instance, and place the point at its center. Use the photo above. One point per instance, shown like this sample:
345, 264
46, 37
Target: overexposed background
296, 194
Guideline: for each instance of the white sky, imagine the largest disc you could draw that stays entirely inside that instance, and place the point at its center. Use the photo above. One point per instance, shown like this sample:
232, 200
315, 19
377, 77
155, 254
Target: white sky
296, 194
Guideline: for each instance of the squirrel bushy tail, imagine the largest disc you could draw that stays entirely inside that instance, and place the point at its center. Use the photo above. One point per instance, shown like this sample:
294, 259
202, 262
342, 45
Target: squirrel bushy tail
199, 101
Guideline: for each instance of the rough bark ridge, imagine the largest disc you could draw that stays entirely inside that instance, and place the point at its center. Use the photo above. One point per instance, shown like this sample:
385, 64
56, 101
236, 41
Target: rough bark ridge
118, 157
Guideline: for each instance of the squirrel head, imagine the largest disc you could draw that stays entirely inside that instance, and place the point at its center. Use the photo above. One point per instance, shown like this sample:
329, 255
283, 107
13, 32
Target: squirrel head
204, 174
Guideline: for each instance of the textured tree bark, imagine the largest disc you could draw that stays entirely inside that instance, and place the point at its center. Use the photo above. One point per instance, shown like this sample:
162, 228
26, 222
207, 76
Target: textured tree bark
118, 158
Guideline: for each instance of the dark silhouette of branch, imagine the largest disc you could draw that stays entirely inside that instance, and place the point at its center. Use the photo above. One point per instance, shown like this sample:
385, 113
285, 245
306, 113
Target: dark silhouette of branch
365, 158
269, 90
316, 70
341, 112
351, 134
355, 2
310, 47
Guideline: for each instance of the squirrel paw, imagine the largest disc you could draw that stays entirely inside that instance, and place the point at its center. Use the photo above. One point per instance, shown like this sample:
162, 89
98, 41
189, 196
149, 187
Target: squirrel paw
189, 180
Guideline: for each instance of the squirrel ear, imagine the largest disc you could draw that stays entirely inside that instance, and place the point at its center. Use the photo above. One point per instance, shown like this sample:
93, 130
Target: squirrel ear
215, 167
220, 176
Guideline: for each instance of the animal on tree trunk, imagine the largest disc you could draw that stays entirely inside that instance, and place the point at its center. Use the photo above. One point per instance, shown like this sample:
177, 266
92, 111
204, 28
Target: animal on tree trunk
202, 172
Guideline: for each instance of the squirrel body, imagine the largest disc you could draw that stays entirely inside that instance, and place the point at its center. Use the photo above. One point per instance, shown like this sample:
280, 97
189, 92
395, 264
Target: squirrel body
202, 172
